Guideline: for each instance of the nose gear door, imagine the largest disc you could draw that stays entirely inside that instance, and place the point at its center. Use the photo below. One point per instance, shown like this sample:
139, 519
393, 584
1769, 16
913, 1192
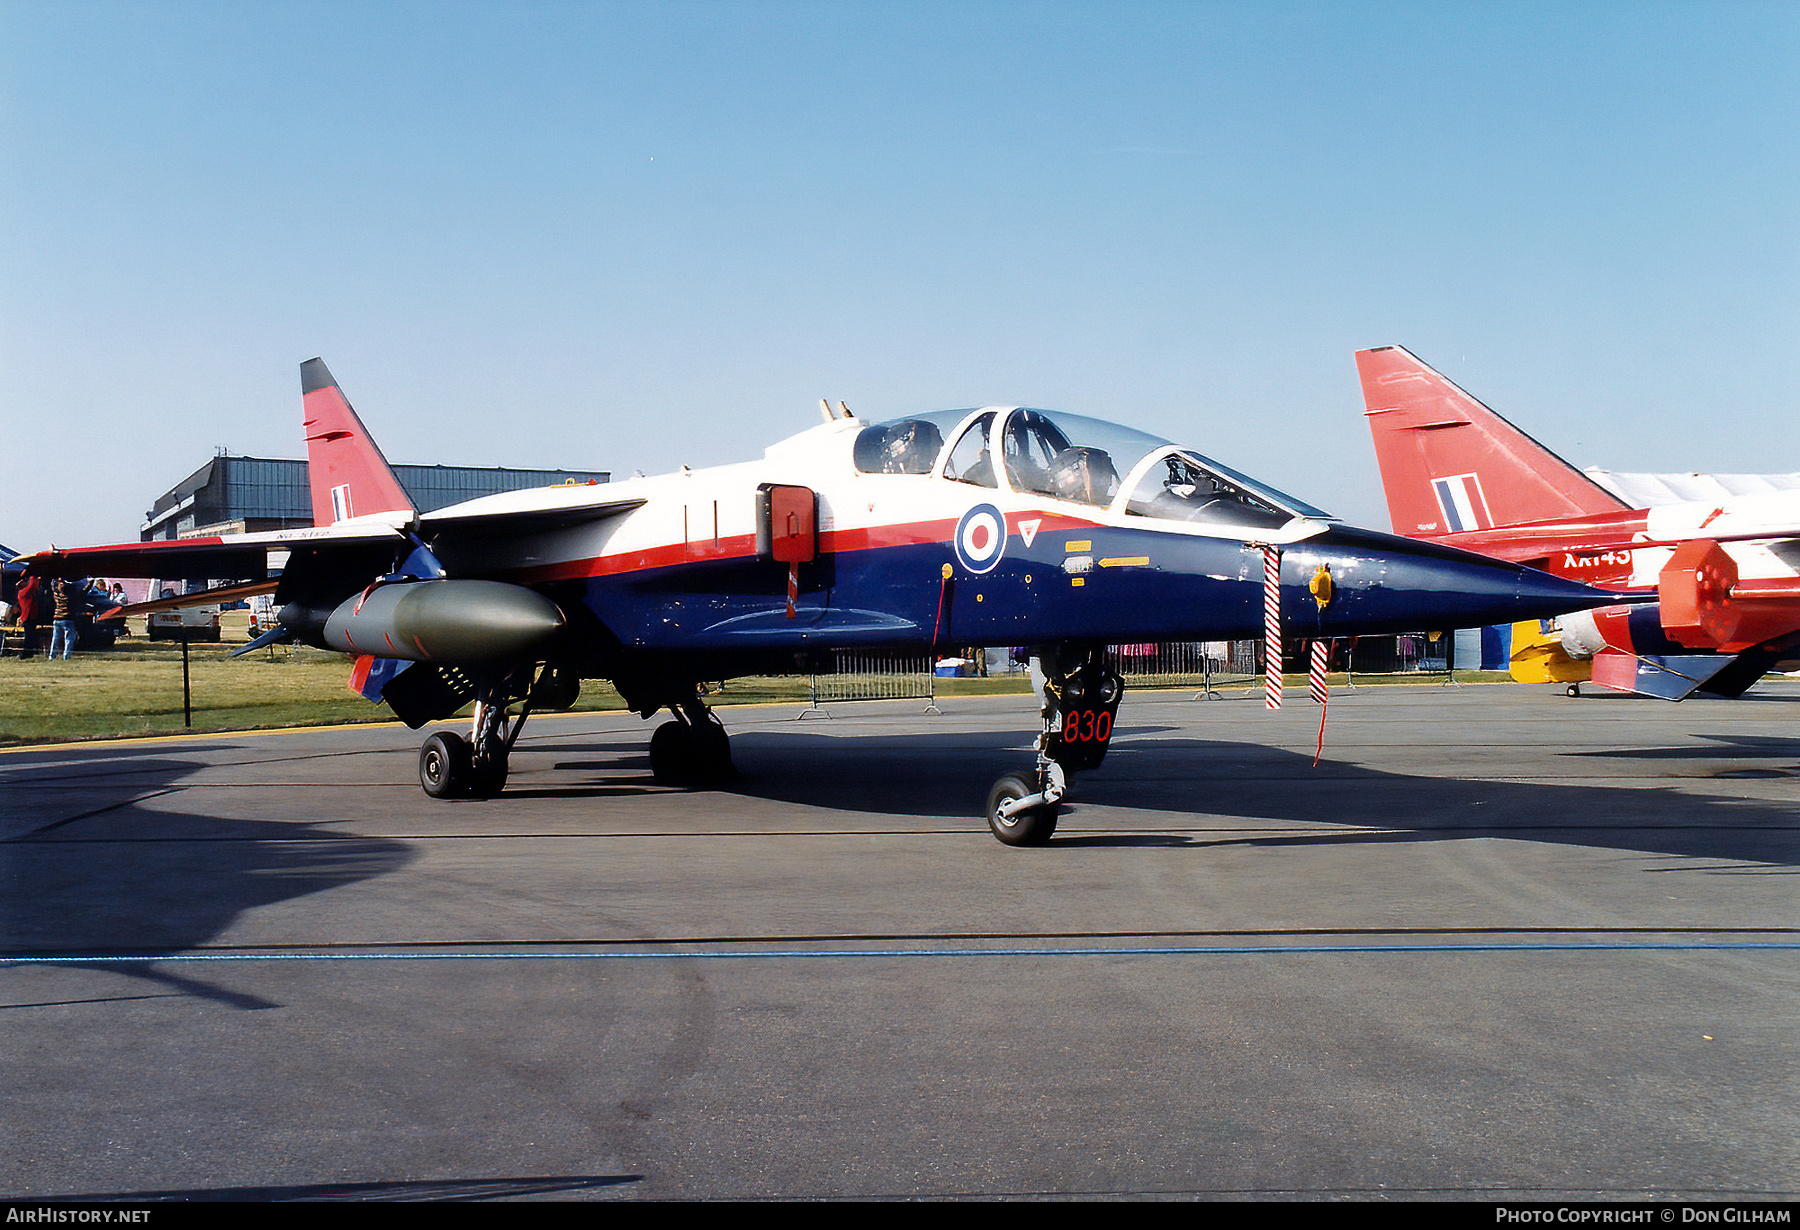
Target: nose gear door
1079, 695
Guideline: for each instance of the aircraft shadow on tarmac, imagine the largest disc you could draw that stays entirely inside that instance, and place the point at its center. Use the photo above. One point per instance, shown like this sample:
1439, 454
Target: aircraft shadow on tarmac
449, 1190
1147, 770
128, 878
938, 775
1737, 747
124, 877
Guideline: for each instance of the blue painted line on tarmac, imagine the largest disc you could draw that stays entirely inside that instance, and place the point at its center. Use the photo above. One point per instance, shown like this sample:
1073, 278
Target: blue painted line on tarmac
713, 954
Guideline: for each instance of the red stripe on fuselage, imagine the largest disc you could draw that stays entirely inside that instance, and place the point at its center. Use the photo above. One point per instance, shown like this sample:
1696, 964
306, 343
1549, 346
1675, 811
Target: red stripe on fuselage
743, 546
1537, 540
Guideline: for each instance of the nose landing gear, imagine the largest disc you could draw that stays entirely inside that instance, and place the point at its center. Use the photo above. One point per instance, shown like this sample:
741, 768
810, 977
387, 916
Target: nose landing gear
1078, 697
1021, 814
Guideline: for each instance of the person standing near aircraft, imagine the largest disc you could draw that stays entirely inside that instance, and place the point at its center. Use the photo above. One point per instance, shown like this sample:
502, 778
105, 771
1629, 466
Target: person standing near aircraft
31, 612
62, 619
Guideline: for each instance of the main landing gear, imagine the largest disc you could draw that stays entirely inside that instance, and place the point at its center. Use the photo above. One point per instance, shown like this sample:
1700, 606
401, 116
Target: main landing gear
453, 767
693, 749
1078, 696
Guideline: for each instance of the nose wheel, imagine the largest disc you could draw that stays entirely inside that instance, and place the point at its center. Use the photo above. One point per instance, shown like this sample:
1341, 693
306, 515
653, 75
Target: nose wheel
1015, 818
1078, 697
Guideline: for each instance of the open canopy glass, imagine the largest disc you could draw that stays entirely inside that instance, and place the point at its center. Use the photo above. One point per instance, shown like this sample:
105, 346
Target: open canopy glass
1079, 459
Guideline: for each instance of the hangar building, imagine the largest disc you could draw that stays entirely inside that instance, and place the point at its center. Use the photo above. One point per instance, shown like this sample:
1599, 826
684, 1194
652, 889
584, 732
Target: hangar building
230, 495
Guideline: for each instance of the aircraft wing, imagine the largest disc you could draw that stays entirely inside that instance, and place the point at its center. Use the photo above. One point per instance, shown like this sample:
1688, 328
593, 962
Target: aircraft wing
182, 559
525, 512
239, 556
223, 593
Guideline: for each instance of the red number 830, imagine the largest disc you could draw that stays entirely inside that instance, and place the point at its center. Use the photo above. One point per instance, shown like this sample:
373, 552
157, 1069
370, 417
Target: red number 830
1087, 726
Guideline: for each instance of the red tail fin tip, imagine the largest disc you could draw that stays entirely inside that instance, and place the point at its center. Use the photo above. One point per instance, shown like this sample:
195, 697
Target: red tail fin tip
348, 474
1448, 463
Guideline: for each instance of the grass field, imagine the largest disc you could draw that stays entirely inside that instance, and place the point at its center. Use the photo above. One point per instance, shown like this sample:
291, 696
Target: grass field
135, 689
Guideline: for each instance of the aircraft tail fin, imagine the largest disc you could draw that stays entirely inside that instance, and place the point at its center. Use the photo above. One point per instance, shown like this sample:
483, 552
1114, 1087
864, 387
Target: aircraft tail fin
349, 476
1448, 463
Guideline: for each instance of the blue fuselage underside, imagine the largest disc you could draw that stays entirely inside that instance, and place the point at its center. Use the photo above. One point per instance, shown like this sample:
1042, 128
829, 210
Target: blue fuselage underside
1135, 585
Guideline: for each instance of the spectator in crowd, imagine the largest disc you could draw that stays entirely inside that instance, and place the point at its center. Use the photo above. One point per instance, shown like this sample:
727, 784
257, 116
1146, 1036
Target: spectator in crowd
31, 612
64, 594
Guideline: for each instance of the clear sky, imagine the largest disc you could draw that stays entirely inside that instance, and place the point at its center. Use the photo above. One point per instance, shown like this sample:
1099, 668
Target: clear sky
640, 235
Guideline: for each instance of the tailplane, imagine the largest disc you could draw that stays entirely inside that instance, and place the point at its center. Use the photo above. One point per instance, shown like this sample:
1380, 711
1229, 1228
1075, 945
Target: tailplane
350, 477
1450, 464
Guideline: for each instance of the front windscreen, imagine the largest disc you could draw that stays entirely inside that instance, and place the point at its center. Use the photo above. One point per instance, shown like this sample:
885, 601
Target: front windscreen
1185, 486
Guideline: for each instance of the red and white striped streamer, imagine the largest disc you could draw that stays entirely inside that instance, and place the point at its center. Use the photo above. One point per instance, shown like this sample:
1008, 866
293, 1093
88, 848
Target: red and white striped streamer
1315, 682
1272, 627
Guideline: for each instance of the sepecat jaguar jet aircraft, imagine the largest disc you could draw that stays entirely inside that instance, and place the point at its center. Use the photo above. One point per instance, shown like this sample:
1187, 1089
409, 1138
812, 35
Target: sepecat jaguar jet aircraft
990, 526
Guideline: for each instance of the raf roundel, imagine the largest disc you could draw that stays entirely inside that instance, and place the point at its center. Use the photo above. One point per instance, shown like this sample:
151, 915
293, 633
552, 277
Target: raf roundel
981, 538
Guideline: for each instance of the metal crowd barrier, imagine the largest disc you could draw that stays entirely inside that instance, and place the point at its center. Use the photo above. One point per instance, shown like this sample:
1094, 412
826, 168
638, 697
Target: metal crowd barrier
859, 675
1414, 653
1208, 666
1205, 666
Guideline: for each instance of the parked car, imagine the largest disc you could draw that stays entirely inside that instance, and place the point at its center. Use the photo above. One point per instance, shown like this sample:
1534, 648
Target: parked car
191, 623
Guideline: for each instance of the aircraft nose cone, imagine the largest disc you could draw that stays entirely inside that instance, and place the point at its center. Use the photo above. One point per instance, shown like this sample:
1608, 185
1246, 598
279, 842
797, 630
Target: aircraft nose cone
1388, 583
1534, 588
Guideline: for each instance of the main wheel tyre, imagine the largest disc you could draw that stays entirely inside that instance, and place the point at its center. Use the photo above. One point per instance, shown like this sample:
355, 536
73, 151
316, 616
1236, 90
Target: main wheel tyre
488, 780
1031, 827
712, 754
673, 755
444, 765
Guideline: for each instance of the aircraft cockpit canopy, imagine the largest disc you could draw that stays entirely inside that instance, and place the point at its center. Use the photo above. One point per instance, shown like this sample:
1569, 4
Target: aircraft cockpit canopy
902, 446
1040, 457
1082, 460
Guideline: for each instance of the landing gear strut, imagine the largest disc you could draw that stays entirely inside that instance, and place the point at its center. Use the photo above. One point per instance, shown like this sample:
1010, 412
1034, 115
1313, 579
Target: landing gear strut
453, 767
1078, 696
693, 749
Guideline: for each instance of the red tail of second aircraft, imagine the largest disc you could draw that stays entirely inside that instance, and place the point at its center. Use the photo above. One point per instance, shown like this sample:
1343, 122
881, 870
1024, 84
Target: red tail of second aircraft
1451, 465
349, 476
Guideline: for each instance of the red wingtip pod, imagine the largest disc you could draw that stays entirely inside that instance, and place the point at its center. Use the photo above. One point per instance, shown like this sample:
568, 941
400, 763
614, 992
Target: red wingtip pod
1694, 591
348, 474
1449, 464
1705, 605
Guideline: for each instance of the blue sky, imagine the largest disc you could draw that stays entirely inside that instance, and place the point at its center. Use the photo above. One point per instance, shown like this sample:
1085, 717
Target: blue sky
635, 236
